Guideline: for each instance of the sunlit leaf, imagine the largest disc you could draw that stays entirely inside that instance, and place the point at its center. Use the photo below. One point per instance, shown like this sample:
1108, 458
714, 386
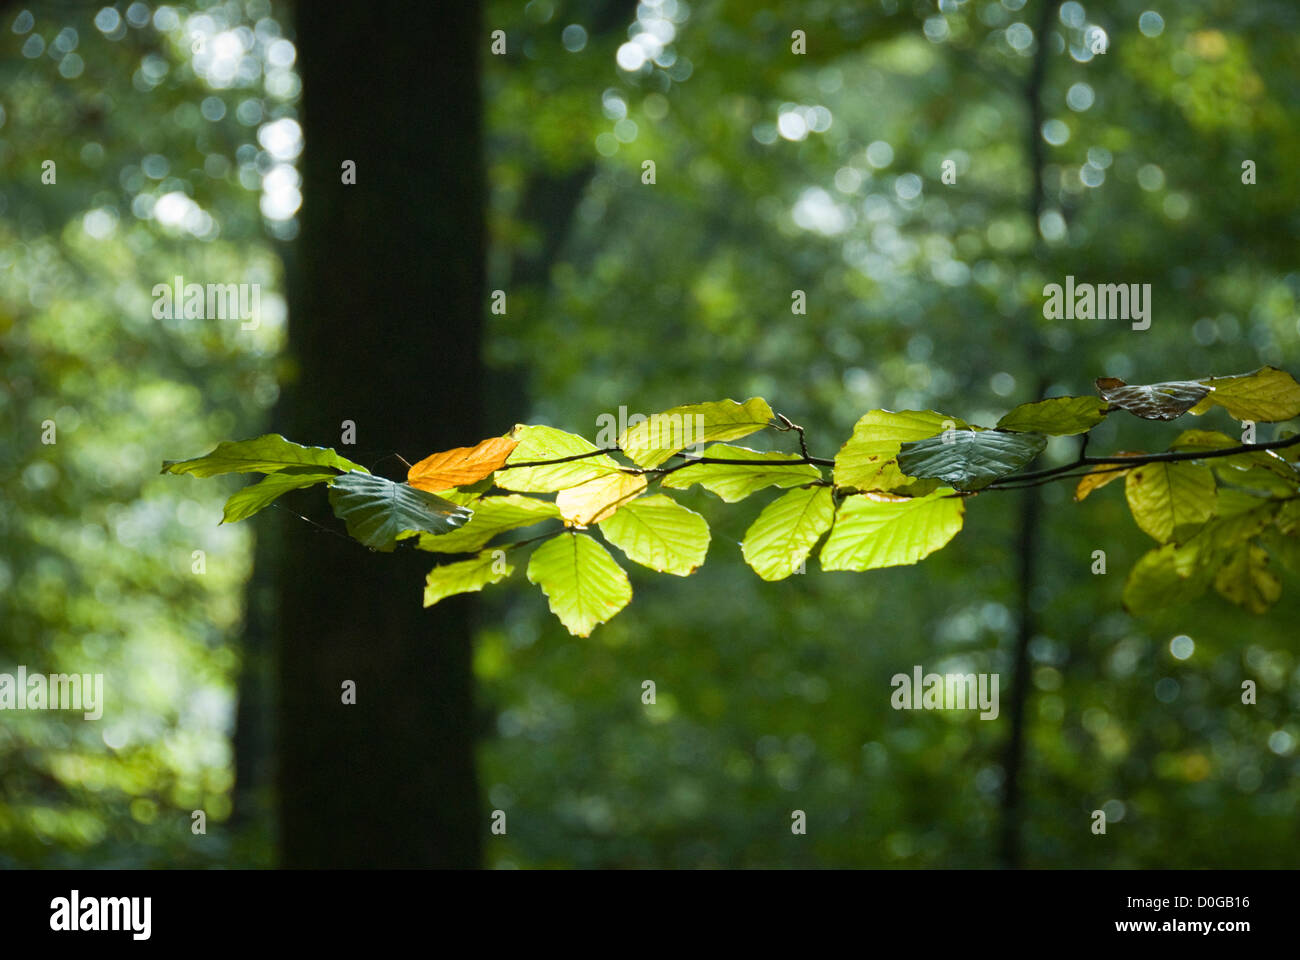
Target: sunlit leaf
1267, 395
538, 443
866, 461
1168, 499
873, 532
969, 459
596, 499
654, 440
378, 511
492, 515
733, 482
583, 584
659, 533
1058, 416
265, 454
466, 576
248, 501
787, 529
461, 466
466, 495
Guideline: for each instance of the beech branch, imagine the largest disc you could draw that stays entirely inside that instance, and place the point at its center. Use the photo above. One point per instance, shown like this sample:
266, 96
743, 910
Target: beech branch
1014, 481
1018, 481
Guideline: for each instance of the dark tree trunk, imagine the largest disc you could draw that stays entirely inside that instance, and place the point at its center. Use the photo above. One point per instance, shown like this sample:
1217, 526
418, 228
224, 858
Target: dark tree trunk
1011, 829
387, 295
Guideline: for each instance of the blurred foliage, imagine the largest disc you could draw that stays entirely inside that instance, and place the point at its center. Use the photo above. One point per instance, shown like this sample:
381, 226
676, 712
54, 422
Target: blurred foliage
775, 172
821, 172
152, 118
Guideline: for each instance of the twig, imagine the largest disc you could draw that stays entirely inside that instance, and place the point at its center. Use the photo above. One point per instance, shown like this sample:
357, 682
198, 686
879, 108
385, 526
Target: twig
1022, 480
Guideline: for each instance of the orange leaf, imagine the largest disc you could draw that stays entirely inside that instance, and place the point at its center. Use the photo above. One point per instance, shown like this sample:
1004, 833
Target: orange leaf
455, 468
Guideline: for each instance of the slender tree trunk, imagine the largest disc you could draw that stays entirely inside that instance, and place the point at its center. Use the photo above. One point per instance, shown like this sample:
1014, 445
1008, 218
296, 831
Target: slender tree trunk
1030, 532
387, 295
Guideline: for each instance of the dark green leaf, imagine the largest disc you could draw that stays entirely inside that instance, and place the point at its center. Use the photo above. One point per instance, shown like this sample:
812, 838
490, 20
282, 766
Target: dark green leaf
1155, 401
970, 459
378, 511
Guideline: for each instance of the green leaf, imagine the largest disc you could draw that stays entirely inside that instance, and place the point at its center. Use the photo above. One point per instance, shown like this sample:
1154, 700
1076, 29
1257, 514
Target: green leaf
1235, 525
248, 501
1288, 517
1207, 440
1267, 395
866, 461
783, 535
1179, 573
492, 515
1247, 580
582, 582
659, 533
653, 441
874, 530
1202, 440
1229, 502
1261, 475
1286, 550
466, 576
467, 494
1154, 401
266, 454
1168, 499
378, 511
1167, 576
546, 443
969, 459
732, 482
1058, 416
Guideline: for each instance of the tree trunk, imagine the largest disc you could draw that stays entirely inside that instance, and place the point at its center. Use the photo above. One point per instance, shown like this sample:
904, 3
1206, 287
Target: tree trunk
386, 299
1011, 828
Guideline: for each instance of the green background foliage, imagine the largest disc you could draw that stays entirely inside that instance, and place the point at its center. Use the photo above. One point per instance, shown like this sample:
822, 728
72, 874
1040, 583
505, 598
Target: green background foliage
774, 173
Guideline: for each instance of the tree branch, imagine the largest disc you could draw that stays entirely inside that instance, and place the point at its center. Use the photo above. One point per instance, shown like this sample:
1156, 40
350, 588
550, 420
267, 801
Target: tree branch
1037, 478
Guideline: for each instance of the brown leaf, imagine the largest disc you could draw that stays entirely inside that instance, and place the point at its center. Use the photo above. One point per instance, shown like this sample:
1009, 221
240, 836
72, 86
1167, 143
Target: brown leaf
463, 465
1154, 401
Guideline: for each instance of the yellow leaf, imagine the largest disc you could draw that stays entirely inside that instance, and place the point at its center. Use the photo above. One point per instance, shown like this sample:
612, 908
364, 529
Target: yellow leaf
1100, 475
1268, 395
1167, 499
463, 465
593, 501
